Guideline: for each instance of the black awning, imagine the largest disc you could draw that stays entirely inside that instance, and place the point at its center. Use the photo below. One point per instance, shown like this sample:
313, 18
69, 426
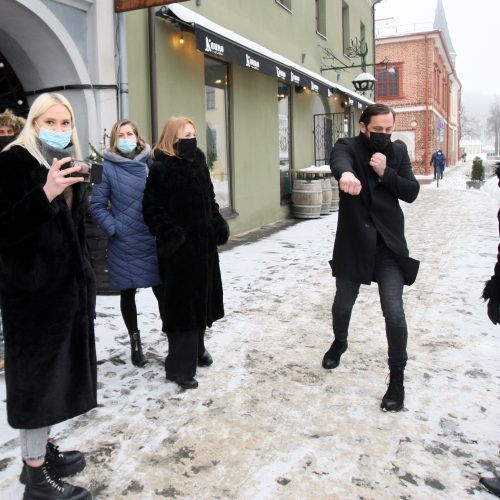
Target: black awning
212, 44
217, 41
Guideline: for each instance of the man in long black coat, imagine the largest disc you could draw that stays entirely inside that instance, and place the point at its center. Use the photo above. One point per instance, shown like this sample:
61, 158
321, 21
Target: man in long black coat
373, 175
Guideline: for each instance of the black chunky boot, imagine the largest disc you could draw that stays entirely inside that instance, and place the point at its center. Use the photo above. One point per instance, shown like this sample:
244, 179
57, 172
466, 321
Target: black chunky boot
331, 359
43, 484
61, 463
394, 398
137, 355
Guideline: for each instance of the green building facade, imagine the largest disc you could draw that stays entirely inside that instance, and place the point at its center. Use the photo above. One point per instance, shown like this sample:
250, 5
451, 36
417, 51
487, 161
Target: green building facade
250, 75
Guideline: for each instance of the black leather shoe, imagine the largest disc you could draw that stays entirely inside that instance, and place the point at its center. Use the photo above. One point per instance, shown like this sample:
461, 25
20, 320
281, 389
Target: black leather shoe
185, 383
492, 484
205, 359
61, 463
331, 359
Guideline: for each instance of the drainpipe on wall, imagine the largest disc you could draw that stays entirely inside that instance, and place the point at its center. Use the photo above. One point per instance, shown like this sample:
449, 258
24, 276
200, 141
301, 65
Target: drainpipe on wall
153, 88
426, 136
123, 66
374, 51
448, 128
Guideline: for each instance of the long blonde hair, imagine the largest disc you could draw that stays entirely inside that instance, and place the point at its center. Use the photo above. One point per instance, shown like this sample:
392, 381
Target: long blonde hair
115, 135
168, 137
28, 137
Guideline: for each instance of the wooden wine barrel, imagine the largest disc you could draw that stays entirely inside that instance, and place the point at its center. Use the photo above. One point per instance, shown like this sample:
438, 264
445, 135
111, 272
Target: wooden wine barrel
335, 196
326, 190
307, 198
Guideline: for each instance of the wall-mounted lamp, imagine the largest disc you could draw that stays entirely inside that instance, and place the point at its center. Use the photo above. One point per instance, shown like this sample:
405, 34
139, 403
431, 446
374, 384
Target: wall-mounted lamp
364, 82
299, 89
181, 39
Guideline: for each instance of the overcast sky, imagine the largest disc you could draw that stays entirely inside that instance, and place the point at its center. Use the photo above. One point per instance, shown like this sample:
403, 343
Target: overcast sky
475, 33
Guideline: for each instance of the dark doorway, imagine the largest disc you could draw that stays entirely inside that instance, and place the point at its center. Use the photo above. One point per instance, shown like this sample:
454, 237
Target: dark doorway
12, 94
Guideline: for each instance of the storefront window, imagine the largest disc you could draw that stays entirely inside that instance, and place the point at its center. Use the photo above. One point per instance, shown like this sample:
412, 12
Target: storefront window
284, 140
217, 120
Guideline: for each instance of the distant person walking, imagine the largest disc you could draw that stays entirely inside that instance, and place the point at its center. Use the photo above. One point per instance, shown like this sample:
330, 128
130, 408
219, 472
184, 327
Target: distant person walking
491, 293
116, 206
181, 211
374, 174
438, 160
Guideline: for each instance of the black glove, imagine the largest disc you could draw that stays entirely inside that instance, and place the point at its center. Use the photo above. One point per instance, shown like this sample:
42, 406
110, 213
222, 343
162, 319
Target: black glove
494, 311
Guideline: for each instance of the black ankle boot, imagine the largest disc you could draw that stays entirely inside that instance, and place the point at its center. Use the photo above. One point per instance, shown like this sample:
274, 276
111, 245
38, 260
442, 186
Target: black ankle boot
43, 484
394, 398
331, 359
61, 463
137, 355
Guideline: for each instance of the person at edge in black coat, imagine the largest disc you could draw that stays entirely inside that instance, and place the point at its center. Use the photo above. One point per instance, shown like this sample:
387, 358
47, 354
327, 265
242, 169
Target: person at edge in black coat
373, 175
491, 293
10, 127
180, 210
47, 292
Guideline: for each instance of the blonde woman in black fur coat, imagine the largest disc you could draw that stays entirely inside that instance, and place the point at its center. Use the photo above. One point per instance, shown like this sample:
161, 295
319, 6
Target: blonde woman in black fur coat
180, 209
47, 294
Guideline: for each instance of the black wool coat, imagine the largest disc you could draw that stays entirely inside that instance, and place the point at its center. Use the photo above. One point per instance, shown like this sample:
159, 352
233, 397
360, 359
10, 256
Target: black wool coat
47, 293
374, 211
180, 210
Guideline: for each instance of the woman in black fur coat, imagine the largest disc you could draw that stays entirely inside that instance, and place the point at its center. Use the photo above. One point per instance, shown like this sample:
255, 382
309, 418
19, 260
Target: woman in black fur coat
47, 294
180, 209
491, 293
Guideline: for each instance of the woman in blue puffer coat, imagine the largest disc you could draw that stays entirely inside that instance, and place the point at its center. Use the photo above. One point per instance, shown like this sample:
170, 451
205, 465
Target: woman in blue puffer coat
116, 206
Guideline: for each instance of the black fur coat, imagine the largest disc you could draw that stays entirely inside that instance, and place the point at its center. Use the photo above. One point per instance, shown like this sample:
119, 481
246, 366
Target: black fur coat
180, 210
47, 294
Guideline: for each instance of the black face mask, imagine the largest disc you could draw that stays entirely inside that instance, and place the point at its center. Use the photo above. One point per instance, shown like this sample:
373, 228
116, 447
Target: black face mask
186, 149
378, 142
6, 139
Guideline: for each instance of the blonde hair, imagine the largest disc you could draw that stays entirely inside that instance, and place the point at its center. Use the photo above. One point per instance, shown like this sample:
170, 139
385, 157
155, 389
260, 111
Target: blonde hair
115, 135
172, 128
9, 119
28, 138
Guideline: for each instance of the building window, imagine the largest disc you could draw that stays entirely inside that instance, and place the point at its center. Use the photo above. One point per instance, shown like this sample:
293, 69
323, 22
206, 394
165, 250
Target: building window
217, 130
210, 97
287, 4
321, 17
388, 82
346, 37
284, 141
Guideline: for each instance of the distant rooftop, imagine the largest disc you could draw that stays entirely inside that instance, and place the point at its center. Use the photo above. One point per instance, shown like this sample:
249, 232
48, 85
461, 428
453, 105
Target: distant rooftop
391, 20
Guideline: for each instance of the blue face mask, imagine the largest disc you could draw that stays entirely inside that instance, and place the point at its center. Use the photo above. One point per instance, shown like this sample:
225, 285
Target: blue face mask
58, 140
126, 145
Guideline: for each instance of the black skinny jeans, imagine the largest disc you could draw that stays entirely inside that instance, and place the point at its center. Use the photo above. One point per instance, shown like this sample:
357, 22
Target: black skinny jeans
129, 309
390, 287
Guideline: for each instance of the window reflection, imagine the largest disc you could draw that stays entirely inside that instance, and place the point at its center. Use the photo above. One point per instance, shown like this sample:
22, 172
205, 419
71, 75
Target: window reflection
216, 116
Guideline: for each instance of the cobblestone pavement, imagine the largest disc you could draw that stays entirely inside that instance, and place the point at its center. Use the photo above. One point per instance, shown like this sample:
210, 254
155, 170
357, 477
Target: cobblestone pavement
267, 422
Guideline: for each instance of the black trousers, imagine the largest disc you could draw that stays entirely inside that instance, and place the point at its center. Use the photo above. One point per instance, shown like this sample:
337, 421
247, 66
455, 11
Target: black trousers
390, 286
129, 309
183, 351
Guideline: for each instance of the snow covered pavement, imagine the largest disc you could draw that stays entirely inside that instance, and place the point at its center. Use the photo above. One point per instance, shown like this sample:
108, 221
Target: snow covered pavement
267, 422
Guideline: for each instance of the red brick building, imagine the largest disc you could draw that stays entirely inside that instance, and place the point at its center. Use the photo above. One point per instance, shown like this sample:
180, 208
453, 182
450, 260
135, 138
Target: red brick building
418, 80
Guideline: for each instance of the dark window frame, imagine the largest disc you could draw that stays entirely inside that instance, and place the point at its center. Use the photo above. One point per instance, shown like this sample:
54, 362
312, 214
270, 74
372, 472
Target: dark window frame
386, 84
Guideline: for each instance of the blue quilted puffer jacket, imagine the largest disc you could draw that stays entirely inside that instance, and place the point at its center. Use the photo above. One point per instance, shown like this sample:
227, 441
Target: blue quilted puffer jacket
132, 258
